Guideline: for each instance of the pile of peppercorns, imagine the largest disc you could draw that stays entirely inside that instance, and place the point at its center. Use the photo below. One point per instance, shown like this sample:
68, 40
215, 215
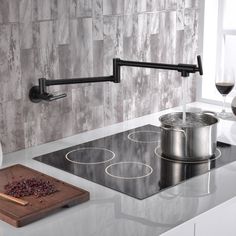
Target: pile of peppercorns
31, 186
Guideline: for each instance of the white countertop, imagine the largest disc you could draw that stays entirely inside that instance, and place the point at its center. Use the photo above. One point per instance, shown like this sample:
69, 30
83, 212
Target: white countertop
112, 213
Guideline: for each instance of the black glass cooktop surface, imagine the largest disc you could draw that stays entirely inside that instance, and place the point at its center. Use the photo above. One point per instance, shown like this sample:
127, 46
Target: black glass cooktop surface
130, 162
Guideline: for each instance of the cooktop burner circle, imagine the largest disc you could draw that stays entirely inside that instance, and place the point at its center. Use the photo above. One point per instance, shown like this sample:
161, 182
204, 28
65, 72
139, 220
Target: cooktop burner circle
90, 155
217, 155
145, 136
128, 170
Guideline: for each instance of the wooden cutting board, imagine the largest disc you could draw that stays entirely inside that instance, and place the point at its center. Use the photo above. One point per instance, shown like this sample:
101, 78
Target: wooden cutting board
37, 208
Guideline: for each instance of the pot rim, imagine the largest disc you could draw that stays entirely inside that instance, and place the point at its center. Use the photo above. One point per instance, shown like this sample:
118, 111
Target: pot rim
206, 113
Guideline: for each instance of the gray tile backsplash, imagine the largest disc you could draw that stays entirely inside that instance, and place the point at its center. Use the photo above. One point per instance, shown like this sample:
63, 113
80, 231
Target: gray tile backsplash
79, 38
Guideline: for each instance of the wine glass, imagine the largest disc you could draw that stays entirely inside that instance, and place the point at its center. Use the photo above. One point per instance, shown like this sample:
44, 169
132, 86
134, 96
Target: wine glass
224, 85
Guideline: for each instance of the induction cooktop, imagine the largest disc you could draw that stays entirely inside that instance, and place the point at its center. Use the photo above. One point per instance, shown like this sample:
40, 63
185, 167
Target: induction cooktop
131, 162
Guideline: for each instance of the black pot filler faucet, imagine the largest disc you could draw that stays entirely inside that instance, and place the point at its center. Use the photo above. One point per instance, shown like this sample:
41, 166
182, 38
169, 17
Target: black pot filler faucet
39, 92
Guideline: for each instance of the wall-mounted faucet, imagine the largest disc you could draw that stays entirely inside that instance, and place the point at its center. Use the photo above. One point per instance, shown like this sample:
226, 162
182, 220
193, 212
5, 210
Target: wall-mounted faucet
39, 92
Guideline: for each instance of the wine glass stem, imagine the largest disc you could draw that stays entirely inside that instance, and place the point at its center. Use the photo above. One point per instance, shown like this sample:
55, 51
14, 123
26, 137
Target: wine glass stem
223, 107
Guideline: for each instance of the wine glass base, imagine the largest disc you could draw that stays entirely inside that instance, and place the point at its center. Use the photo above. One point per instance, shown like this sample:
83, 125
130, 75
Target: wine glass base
225, 115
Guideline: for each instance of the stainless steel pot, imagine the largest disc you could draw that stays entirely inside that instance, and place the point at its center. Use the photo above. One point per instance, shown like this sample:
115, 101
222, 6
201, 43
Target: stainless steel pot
193, 140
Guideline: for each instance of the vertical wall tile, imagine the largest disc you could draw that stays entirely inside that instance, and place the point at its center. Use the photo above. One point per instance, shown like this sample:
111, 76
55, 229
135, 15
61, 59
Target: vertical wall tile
81, 47
142, 101
119, 37
129, 108
31, 133
149, 5
127, 48
64, 61
26, 33
2, 124
168, 39
97, 28
85, 40
190, 39
25, 11
190, 47
54, 9
180, 46
118, 7
98, 52
171, 4
113, 7
72, 8
43, 9
13, 137
14, 61
110, 27
154, 47
97, 8
46, 64
143, 38
98, 117
27, 67
152, 5
180, 19
190, 16
159, 5
66, 114
74, 49
164, 82
154, 23
129, 7
191, 3
49, 117
141, 6
107, 7
180, 4
10, 70
4, 11
83, 112
30, 110
13, 10
63, 22
84, 8
128, 23
113, 108
4, 72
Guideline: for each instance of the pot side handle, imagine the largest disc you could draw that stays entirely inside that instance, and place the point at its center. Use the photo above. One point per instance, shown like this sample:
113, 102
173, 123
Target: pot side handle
178, 130
173, 129
210, 113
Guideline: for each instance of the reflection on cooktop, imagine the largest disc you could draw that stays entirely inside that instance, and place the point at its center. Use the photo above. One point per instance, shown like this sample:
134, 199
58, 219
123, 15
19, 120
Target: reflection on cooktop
127, 162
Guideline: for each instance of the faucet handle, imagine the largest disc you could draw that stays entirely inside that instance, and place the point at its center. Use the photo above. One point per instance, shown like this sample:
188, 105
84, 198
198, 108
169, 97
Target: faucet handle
199, 62
55, 97
36, 96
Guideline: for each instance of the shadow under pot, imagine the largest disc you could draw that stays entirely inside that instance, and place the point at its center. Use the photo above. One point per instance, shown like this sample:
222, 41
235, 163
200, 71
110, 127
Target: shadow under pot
192, 140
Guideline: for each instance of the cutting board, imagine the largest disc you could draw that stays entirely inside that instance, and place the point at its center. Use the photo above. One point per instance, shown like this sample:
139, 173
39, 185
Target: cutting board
17, 215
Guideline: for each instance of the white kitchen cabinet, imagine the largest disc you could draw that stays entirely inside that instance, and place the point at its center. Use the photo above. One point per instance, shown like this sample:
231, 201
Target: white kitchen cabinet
218, 221
185, 229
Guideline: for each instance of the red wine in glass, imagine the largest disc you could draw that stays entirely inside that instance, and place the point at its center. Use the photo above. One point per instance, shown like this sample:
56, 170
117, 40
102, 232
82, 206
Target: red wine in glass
224, 88
224, 85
